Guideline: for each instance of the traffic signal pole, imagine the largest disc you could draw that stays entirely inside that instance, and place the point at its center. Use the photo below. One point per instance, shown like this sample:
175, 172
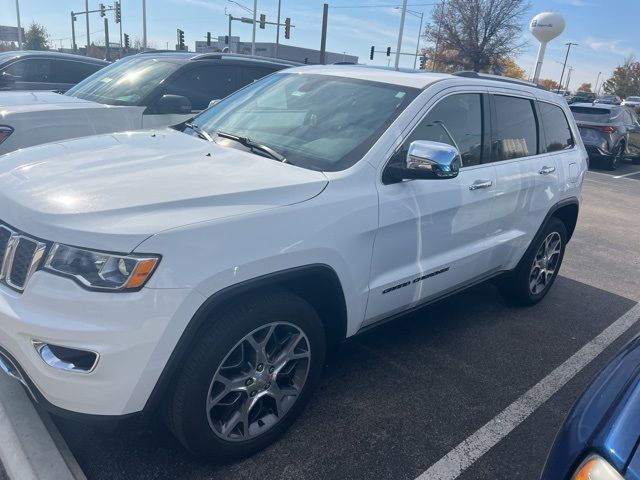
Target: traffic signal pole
401, 31
86, 15
73, 33
106, 40
277, 29
323, 38
253, 38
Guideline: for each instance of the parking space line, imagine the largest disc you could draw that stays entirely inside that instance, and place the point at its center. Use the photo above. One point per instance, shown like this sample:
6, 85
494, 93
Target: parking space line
475, 446
627, 175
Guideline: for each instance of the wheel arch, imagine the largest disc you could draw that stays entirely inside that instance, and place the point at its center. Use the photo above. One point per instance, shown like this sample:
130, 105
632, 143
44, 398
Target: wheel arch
318, 284
567, 212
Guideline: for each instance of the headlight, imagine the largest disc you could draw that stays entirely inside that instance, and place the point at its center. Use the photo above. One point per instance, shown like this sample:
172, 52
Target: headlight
596, 468
100, 270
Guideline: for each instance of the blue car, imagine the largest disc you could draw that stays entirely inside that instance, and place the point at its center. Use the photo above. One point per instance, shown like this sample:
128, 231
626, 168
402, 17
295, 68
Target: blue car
600, 437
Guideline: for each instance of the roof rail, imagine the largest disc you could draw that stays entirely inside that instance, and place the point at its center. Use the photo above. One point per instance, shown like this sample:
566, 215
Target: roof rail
220, 55
498, 78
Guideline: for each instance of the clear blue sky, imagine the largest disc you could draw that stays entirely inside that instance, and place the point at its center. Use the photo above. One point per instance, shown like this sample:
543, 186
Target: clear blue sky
606, 34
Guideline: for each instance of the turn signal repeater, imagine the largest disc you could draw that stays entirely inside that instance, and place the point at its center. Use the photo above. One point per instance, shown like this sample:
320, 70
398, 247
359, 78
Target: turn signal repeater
596, 468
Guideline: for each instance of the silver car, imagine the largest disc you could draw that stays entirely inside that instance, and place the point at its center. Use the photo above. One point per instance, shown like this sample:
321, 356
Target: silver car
609, 132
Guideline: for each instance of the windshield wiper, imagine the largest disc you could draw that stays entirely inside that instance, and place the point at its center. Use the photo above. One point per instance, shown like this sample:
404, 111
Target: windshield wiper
199, 131
247, 142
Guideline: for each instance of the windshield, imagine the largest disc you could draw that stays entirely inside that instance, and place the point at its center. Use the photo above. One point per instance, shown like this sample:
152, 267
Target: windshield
126, 82
318, 122
589, 114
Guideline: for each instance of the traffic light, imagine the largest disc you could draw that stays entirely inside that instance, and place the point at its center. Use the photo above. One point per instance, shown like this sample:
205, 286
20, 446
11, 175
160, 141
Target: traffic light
388, 51
180, 39
208, 39
118, 11
287, 28
371, 54
102, 10
263, 19
226, 39
423, 62
126, 41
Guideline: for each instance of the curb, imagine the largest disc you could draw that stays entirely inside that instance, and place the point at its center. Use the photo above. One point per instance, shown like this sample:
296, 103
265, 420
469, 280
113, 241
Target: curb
31, 448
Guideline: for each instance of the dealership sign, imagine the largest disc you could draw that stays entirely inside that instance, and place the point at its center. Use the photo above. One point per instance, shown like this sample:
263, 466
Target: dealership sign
9, 34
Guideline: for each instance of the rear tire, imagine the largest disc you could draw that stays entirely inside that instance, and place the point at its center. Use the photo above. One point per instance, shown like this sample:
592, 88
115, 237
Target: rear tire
265, 347
538, 268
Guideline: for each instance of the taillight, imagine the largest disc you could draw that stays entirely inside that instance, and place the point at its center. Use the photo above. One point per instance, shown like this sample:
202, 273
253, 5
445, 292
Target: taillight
5, 131
605, 129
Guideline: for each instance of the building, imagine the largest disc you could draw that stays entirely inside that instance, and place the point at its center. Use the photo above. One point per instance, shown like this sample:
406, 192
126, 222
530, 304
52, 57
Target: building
268, 49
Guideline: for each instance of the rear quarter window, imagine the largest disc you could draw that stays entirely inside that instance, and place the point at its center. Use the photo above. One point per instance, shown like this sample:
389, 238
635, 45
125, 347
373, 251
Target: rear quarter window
556, 127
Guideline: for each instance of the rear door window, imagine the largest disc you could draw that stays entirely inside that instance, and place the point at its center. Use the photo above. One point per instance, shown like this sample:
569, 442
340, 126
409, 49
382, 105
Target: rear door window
72, 72
251, 74
515, 132
205, 83
556, 128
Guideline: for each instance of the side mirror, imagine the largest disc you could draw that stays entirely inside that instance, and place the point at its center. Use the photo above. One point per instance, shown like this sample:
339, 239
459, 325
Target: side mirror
427, 160
173, 104
214, 102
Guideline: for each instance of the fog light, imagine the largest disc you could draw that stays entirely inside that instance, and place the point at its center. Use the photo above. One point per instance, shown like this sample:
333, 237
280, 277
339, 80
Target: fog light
65, 358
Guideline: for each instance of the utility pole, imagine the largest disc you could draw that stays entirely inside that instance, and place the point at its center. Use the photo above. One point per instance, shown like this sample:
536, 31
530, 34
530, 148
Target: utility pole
73, 33
277, 29
568, 44
323, 38
566, 87
415, 60
595, 87
402, 17
253, 37
144, 25
106, 40
19, 27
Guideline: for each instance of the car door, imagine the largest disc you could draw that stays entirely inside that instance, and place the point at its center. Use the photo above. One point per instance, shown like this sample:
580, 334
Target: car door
432, 233
527, 175
632, 125
200, 84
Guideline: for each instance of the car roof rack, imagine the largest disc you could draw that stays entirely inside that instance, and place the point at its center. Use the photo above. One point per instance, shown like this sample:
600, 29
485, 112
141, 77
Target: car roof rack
498, 78
257, 58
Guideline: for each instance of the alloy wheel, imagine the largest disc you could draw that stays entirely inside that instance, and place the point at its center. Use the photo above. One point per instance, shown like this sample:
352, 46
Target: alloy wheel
545, 263
258, 381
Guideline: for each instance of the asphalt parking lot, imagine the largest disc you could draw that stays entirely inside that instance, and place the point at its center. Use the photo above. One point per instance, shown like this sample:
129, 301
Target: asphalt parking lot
397, 399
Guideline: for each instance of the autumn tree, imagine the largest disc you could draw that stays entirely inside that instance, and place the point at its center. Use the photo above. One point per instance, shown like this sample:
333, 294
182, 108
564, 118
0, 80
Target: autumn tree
548, 83
478, 34
36, 37
625, 80
585, 87
512, 69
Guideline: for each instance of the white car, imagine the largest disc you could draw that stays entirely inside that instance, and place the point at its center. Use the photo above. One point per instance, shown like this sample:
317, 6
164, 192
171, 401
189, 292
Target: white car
208, 270
633, 102
148, 90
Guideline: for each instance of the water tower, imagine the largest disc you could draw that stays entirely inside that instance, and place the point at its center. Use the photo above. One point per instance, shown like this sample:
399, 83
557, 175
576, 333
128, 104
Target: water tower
545, 27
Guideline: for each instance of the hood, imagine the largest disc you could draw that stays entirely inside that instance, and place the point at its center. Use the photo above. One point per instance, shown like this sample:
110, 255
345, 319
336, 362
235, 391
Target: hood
113, 191
24, 101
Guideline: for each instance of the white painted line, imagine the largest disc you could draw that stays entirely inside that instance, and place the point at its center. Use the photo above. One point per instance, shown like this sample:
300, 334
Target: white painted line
466, 453
627, 175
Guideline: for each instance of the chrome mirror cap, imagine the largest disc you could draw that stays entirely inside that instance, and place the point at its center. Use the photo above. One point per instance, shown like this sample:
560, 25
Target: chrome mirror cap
439, 159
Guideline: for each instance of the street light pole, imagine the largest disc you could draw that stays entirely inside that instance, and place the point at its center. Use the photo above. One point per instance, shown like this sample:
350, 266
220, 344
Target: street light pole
278, 30
400, 32
568, 44
19, 27
144, 25
86, 16
415, 60
253, 37
595, 88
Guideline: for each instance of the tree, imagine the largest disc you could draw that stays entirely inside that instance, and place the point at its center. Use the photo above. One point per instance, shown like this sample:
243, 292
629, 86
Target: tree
625, 80
480, 33
512, 69
548, 83
36, 37
585, 87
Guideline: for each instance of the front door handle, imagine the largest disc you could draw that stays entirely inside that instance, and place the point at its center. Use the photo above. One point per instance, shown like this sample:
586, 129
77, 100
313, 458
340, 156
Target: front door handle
547, 170
480, 184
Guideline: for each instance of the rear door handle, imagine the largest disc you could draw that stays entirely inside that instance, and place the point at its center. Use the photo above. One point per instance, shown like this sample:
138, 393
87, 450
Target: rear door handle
547, 170
480, 184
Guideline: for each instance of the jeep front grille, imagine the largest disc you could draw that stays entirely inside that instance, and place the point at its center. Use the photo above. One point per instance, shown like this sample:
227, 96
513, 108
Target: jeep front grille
20, 256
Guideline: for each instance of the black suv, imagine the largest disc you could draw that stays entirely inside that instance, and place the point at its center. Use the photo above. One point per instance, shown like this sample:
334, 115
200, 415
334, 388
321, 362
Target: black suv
30, 70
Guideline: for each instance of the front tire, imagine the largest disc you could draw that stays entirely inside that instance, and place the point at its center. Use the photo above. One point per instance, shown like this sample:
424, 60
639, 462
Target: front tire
613, 162
538, 268
248, 377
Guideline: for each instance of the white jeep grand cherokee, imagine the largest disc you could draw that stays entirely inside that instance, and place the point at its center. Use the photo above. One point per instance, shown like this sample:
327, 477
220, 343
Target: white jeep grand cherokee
206, 269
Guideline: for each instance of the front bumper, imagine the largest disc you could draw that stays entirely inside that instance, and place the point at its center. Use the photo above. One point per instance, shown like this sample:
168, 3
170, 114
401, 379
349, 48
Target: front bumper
134, 334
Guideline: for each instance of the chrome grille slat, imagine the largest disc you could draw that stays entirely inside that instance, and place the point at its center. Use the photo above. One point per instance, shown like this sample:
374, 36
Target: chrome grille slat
20, 256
